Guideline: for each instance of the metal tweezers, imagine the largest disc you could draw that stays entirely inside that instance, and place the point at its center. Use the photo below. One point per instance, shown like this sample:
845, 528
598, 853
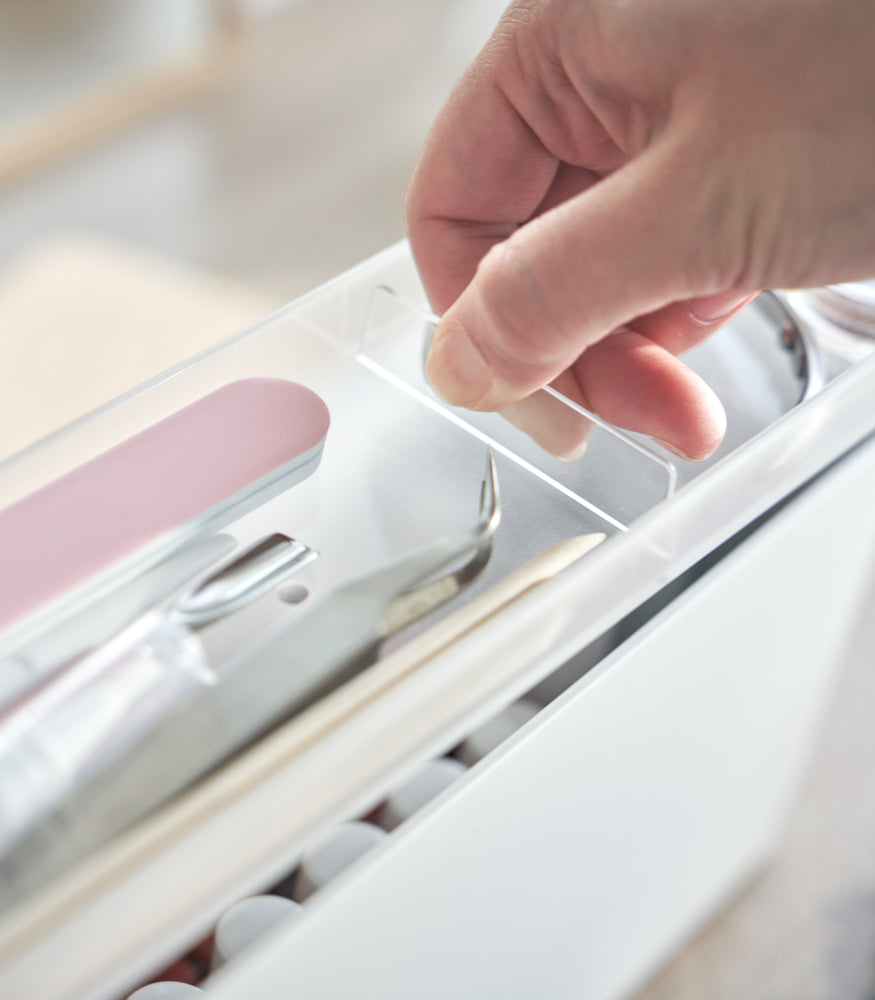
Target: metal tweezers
274, 680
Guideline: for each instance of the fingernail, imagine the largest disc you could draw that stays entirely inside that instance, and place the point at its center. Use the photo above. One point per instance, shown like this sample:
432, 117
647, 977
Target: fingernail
712, 308
575, 454
673, 449
552, 425
456, 369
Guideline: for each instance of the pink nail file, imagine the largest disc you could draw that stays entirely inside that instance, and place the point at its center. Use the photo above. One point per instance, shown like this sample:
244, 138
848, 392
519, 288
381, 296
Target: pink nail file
218, 457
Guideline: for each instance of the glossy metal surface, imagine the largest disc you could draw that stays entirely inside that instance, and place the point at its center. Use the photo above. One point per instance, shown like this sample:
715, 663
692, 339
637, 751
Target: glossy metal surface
202, 726
249, 575
798, 339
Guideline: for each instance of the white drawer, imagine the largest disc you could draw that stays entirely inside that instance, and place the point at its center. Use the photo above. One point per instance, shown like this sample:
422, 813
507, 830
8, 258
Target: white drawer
578, 854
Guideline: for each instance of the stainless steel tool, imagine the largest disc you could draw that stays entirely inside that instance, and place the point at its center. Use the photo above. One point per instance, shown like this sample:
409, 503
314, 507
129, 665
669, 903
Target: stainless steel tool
79, 719
254, 572
217, 715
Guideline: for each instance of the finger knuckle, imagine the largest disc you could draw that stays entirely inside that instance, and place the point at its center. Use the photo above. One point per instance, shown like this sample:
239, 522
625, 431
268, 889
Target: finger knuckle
516, 297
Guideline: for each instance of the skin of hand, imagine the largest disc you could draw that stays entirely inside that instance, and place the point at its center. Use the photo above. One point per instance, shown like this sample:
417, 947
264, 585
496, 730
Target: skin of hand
612, 180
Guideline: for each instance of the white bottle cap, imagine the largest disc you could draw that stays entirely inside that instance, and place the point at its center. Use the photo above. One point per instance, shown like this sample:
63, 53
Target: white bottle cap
430, 780
249, 920
167, 991
485, 739
336, 851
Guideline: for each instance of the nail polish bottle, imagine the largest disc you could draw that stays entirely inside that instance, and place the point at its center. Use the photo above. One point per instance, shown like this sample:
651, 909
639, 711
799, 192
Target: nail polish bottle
335, 852
247, 921
494, 732
167, 991
430, 780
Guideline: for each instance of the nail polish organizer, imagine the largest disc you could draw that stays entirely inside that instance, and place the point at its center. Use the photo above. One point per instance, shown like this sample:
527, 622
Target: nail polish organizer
678, 668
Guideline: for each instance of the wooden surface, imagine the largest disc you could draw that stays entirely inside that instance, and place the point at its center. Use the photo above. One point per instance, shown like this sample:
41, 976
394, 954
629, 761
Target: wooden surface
77, 116
84, 320
291, 171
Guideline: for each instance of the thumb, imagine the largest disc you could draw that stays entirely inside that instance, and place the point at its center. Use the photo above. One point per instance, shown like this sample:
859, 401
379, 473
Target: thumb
625, 247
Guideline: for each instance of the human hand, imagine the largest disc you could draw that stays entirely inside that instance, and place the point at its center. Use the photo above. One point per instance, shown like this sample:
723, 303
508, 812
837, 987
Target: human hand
611, 181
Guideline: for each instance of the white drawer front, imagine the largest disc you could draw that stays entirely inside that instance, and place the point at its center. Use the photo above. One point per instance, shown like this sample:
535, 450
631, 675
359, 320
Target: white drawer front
573, 860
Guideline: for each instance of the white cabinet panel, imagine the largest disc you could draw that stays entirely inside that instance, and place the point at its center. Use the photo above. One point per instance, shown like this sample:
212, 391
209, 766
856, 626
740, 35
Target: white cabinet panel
575, 859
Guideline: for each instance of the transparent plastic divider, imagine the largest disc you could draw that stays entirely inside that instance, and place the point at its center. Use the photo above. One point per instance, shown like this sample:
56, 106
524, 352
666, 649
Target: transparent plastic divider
604, 470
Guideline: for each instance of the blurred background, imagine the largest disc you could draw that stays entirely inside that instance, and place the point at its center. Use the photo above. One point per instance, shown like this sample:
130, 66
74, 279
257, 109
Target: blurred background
171, 170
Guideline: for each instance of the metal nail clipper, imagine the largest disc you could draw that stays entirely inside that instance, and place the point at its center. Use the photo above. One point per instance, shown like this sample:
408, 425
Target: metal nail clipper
75, 722
224, 712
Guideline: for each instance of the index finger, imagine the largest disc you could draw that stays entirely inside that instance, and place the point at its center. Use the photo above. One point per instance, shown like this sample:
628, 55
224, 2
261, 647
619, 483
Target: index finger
492, 157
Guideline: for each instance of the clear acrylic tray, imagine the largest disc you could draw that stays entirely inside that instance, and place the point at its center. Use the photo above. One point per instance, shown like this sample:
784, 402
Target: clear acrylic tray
399, 469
